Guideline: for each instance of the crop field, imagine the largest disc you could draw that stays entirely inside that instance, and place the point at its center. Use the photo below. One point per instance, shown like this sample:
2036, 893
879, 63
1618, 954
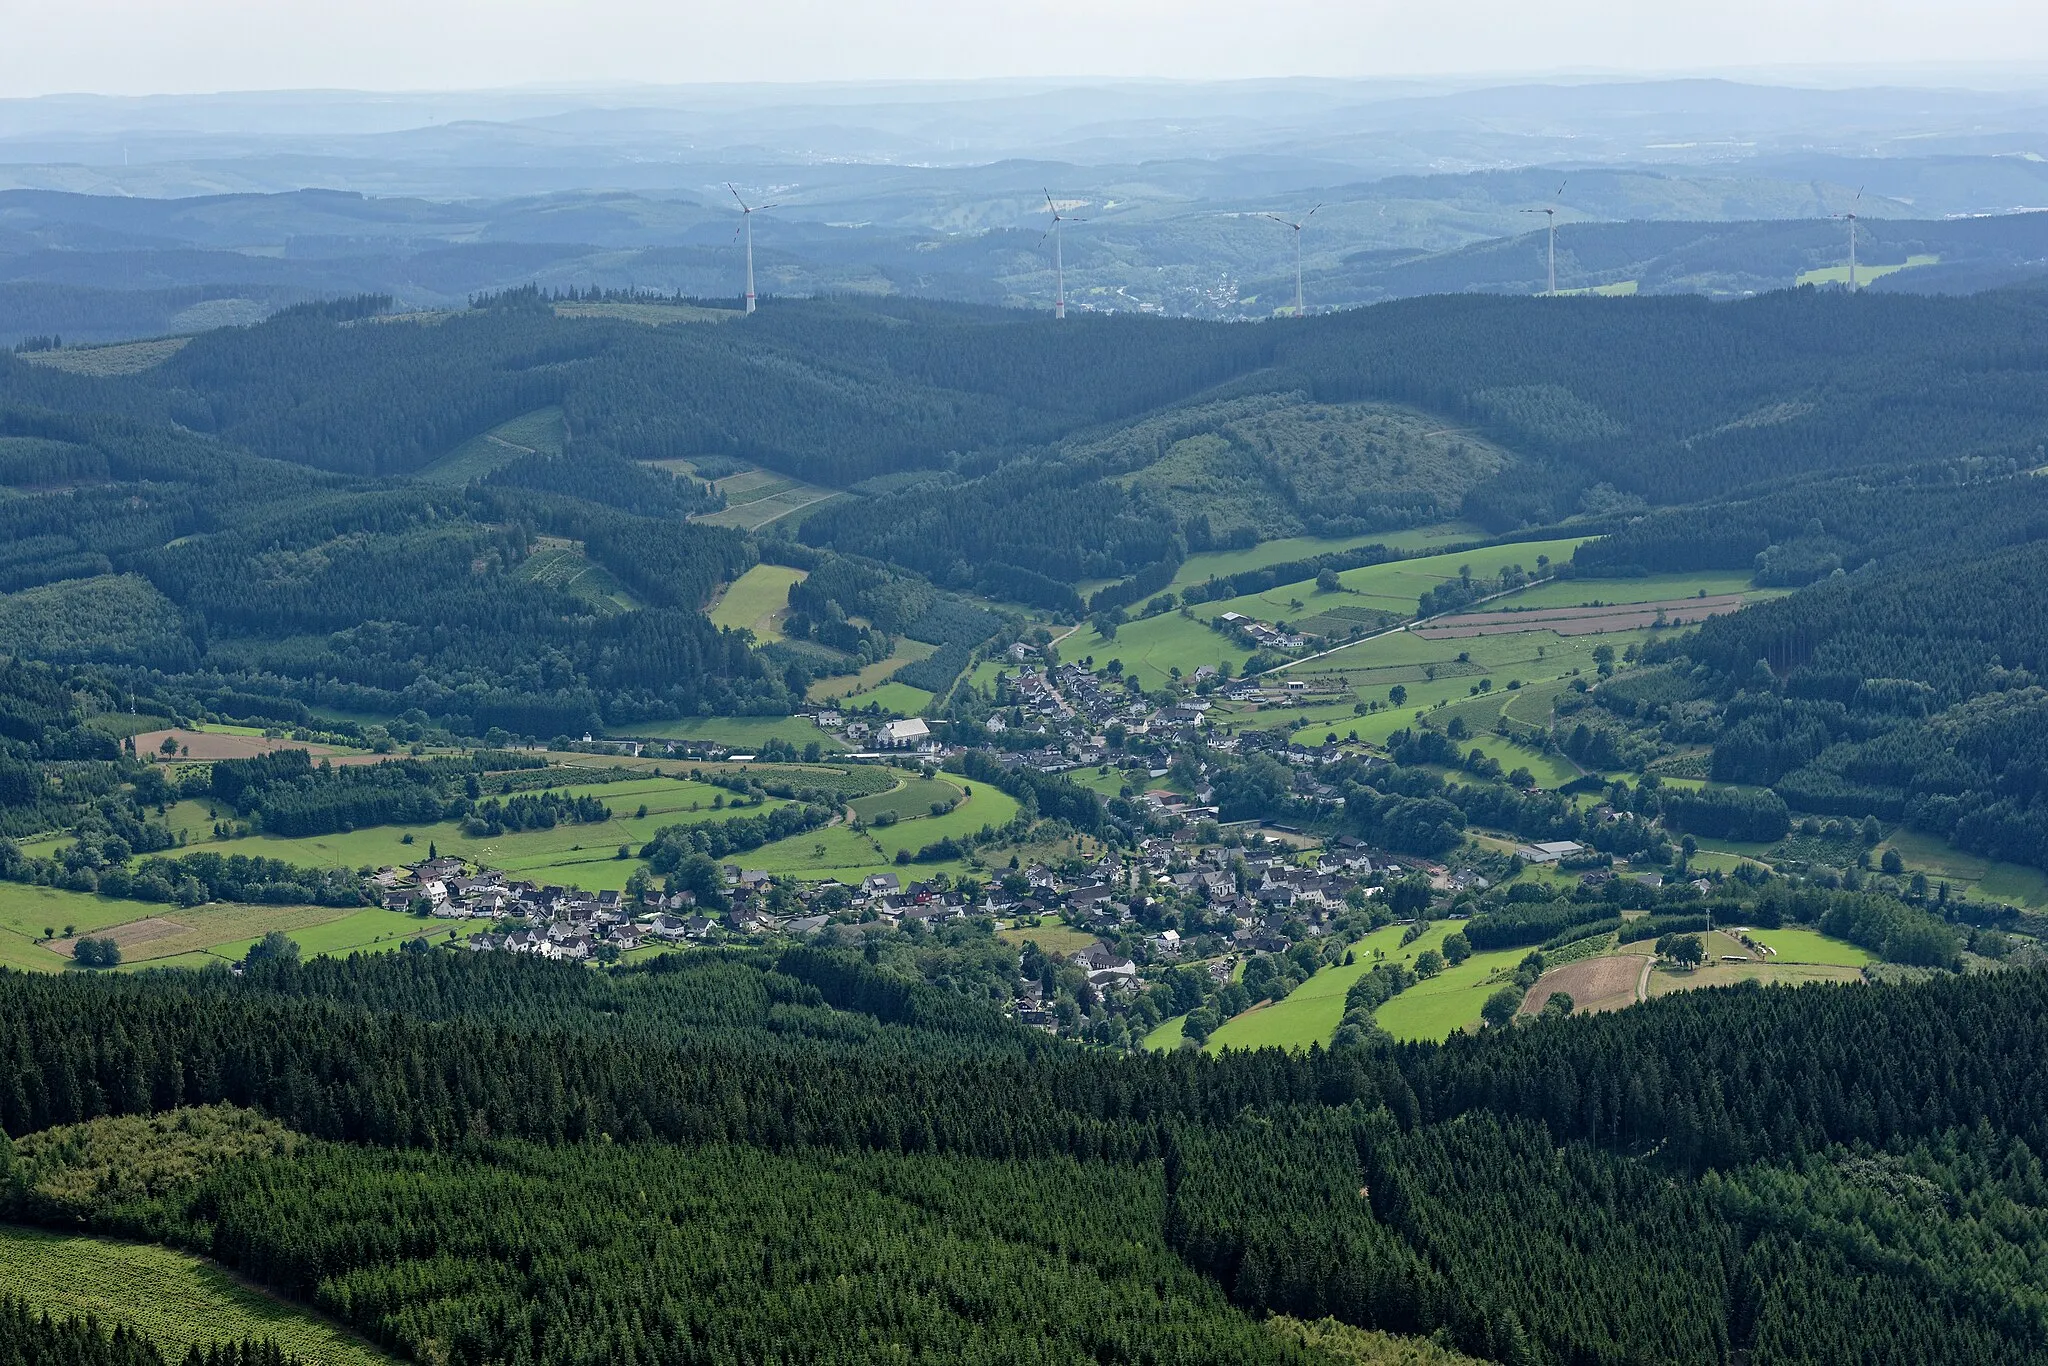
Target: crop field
121, 358
174, 1300
1594, 984
739, 732
562, 564
757, 601
1580, 621
754, 498
224, 742
1649, 588
873, 676
539, 432
1865, 273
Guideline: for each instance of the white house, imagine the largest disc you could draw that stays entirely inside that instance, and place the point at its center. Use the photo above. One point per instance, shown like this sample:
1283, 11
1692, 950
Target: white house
903, 734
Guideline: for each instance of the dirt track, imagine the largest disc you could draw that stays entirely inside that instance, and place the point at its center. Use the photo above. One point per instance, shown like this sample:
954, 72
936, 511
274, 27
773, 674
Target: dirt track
1581, 621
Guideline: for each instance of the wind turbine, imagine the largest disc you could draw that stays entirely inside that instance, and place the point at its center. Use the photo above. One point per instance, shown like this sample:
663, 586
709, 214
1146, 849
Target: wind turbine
1550, 212
746, 228
1851, 216
1299, 310
1059, 268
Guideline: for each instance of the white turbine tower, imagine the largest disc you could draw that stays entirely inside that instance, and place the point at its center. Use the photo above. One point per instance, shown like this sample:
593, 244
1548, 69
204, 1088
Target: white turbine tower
1550, 212
1851, 217
1059, 267
746, 228
1299, 309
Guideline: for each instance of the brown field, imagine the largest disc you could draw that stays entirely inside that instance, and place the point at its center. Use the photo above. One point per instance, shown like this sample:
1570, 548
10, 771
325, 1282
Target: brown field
1664, 980
1581, 621
1606, 983
128, 936
216, 745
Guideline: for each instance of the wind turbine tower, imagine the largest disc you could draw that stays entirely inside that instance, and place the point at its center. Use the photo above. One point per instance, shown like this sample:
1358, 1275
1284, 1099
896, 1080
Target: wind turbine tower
1059, 268
1549, 211
1299, 310
1851, 216
746, 229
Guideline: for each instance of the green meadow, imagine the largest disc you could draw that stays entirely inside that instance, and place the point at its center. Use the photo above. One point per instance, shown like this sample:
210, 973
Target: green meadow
738, 732
757, 601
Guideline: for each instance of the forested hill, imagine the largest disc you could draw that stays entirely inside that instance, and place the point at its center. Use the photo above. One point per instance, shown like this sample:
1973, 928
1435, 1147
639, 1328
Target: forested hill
164, 528
734, 1156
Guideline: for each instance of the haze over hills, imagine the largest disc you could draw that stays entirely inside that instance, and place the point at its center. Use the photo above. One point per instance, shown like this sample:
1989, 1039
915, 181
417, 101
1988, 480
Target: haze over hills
243, 203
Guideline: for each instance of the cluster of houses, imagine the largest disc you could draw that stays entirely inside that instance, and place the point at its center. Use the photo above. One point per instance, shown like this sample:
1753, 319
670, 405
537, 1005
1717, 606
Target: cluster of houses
1262, 633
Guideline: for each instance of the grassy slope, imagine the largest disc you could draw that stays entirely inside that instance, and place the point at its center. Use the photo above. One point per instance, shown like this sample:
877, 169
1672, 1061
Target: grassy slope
756, 600
1650, 588
849, 687
174, 1300
739, 732
539, 431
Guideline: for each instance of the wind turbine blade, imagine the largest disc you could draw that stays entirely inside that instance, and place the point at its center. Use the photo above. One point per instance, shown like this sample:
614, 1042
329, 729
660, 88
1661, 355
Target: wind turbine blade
1560, 189
1310, 214
1050, 205
1277, 219
736, 195
759, 207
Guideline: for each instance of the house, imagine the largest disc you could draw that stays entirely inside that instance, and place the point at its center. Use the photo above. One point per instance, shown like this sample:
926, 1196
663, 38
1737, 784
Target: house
805, 926
668, 927
904, 734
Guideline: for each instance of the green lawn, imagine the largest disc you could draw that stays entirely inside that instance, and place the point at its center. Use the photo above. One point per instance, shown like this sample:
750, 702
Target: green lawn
366, 931
1153, 647
840, 852
757, 600
1811, 946
174, 1300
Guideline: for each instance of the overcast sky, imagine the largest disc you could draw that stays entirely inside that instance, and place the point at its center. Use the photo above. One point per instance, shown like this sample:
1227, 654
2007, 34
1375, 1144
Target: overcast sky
185, 46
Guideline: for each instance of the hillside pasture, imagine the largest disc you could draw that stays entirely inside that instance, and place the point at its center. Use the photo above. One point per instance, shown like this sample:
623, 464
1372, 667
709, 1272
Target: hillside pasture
848, 686
742, 733
563, 564
912, 797
1580, 621
757, 601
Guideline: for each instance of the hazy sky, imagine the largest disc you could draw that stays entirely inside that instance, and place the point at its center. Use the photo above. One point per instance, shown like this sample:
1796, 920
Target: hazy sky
183, 46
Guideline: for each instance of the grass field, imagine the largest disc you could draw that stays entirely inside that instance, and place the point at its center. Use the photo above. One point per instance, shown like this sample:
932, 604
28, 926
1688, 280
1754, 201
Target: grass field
840, 852
873, 676
1153, 647
1217, 563
757, 601
909, 801
174, 1300
1810, 946
1865, 273
538, 432
740, 732
897, 698
1449, 1001
2015, 884
1665, 980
